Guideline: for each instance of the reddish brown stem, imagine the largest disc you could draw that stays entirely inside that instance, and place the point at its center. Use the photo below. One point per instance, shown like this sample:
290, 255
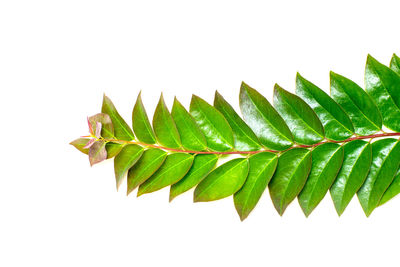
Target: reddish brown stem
253, 152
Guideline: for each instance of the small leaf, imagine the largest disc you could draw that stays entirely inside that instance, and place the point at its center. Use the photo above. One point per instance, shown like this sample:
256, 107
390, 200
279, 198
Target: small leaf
360, 107
175, 167
290, 176
385, 163
122, 130
191, 136
147, 165
141, 124
113, 149
125, 159
202, 165
261, 168
383, 85
306, 128
355, 167
336, 123
393, 189
244, 137
212, 123
264, 120
164, 126
107, 129
90, 143
80, 144
222, 182
97, 152
326, 162
395, 64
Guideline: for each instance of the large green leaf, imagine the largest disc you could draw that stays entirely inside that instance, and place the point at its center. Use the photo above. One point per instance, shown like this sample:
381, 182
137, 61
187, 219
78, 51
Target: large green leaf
383, 85
175, 167
290, 176
122, 131
202, 166
355, 167
326, 162
336, 123
141, 124
264, 120
245, 139
393, 189
360, 107
385, 163
302, 121
395, 64
261, 168
191, 136
212, 123
125, 159
147, 165
222, 182
164, 126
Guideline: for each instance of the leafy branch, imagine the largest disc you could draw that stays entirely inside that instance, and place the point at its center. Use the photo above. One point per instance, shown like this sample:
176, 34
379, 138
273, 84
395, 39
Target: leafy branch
303, 145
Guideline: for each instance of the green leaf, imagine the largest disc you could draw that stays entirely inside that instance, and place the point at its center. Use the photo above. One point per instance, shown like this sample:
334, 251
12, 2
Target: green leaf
214, 126
164, 126
175, 167
326, 162
261, 168
222, 182
290, 176
264, 120
80, 144
121, 129
385, 163
360, 107
355, 167
393, 189
202, 165
336, 123
97, 152
245, 139
191, 136
395, 64
113, 149
306, 128
107, 129
125, 159
383, 85
141, 124
147, 165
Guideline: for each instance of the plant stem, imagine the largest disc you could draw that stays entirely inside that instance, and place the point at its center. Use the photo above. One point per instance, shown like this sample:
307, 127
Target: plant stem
253, 152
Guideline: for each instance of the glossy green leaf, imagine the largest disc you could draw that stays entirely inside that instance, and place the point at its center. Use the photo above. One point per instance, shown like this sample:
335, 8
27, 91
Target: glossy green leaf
245, 139
326, 162
107, 129
122, 131
393, 189
304, 124
80, 144
125, 159
264, 120
147, 165
212, 123
336, 122
175, 167
113, 149
141, 124
385, 163
191, 136
261, 168
202, 166
383, 85
164, 126
395, 64
222, 182
355, 167
290, 176
360, 107
97, 152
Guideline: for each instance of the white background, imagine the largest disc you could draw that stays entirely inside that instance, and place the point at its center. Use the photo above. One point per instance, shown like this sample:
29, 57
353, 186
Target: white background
57, 58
